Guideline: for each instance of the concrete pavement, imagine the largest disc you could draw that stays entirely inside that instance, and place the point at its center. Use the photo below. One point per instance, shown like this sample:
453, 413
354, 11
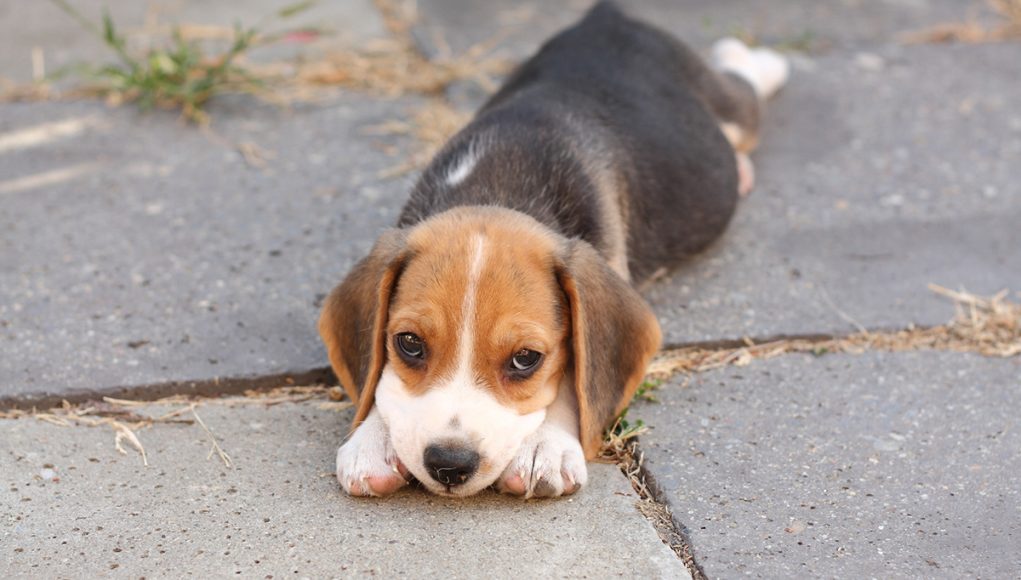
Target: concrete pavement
886, 465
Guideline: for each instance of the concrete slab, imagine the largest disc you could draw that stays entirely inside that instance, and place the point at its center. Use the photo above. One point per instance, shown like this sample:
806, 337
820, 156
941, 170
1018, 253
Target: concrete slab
72, 507
887, 465
871, 185
135, 250
25, 26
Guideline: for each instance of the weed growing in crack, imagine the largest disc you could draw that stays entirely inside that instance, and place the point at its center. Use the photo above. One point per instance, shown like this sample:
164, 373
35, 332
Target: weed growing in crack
619, 437
179, 76
645, 390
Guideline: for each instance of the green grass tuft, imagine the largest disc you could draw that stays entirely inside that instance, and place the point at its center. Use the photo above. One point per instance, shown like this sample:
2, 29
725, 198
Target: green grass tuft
179, 76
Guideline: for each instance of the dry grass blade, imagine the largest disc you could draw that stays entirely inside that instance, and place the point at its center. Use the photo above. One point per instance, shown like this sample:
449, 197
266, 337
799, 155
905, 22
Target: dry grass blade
124, 433
16, 413
53, 419
335, 406
125, 402
215, 446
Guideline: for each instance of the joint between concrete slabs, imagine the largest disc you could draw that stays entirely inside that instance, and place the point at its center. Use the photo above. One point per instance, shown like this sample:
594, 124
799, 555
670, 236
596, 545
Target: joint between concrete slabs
323, 375
648, 489
203, 388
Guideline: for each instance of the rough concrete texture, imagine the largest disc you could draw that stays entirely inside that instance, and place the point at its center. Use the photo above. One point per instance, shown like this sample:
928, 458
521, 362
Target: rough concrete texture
801, 24
63, 42
73, 507
884, 465
140, 250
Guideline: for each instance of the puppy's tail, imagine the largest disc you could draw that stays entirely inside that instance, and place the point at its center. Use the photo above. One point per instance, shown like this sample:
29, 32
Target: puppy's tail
765, 69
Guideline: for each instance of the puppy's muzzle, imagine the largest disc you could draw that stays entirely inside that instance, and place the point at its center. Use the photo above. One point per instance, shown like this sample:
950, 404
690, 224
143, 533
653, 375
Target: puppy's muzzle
451, 465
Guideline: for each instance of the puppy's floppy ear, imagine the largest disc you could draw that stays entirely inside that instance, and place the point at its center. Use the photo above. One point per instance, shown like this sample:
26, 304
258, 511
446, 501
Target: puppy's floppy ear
354, 317
614, 334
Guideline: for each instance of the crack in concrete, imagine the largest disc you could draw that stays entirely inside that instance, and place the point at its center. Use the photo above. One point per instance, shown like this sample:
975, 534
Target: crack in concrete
985, 326
215, 387
653, 506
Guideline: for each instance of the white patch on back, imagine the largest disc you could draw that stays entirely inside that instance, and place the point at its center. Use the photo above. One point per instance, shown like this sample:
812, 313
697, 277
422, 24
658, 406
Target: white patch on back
460, 170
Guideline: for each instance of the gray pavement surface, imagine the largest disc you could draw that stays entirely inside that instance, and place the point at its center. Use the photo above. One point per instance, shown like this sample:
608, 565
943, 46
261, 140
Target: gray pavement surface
882, 465
803, 24
155, 253
73, 507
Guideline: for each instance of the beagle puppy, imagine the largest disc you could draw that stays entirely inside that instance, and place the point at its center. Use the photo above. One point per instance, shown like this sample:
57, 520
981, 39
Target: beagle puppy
492, 336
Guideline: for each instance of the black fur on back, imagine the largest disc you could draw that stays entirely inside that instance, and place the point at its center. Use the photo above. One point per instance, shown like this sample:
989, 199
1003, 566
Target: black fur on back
609, 92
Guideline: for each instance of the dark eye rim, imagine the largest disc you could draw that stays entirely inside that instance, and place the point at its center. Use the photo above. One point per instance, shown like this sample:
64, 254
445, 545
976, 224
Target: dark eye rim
410, 357
515, 373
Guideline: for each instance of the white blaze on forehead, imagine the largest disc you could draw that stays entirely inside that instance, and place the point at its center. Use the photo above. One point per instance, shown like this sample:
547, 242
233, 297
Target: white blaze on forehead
469, 305
462, 168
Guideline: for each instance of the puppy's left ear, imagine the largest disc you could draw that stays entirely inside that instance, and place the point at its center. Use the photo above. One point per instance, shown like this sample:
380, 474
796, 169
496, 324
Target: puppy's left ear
353, 321
614, 335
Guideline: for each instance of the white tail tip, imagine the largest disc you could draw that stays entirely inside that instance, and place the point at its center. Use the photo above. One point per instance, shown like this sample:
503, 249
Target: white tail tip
764, 68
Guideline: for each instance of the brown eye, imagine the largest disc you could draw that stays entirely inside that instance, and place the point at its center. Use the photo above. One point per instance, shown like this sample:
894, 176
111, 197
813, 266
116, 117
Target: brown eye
524, 363
410, 347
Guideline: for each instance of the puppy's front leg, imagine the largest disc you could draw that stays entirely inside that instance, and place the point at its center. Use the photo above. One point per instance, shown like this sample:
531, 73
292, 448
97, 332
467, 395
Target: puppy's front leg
367, 463
550, 461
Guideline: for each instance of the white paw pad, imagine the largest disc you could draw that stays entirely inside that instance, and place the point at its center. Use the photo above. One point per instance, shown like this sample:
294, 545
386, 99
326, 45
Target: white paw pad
550, 463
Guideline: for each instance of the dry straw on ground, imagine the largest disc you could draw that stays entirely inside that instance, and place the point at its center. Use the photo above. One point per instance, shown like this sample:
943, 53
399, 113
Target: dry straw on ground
395, 66
431, 125
987, 326
127, 417
1007, 27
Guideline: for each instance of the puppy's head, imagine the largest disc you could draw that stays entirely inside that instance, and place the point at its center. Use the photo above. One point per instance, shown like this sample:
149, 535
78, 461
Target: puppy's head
461, 330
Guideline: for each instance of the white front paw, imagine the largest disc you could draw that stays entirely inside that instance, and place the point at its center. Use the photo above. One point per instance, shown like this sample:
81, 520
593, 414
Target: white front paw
367, 463
549, 463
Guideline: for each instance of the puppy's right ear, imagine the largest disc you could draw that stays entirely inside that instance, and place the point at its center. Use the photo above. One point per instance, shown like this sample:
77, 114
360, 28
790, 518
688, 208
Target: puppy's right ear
353, 321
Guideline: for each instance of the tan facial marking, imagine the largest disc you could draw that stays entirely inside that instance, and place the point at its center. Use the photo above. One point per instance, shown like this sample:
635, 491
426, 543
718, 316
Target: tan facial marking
477, 291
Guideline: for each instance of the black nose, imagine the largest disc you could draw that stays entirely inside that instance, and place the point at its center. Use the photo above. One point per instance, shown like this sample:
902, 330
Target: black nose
450, 465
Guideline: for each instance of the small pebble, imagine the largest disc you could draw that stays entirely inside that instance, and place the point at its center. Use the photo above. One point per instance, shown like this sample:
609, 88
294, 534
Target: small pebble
869, 61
